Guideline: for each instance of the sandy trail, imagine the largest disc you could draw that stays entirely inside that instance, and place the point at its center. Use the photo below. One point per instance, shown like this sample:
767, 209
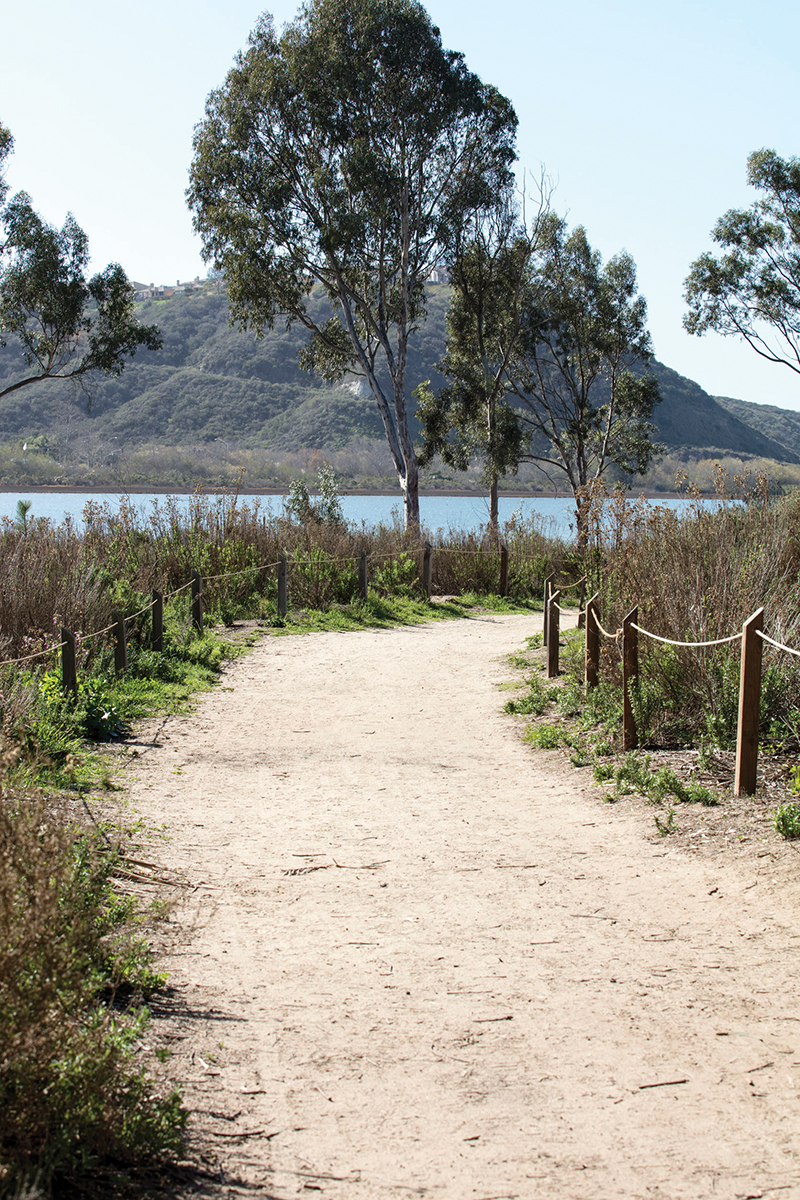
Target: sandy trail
495, 985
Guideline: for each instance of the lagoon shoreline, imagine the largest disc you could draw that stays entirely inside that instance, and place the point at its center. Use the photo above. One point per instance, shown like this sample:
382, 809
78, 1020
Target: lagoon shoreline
426, 493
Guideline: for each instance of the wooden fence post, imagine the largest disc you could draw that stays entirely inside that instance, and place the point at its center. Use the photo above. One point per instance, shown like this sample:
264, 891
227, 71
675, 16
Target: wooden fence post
427, 556
582, 603
592, 669
283, 603
630, 670
553, 634
69, 670
503, 570
157, 635
120, 645
749, 706
548, 584
362, 575
197, 601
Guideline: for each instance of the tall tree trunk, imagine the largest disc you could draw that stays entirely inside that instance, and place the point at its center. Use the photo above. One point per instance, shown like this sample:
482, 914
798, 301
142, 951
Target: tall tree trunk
494, 510
582, 506
410, 487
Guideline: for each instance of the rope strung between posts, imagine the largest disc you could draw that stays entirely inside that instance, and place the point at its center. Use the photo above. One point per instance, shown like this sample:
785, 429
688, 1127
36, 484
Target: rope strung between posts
99, 632
735, 637
7, 662
568, 587
612, 637
571, 611
250, 570
146, 608
779, 645
178, 590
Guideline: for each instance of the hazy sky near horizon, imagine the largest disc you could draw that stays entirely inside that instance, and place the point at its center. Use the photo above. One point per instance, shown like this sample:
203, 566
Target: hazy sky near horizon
643, 115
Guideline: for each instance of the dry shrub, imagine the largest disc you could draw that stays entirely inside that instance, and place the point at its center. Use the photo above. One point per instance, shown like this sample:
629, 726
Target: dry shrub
54, 575
697, 576
71, 1096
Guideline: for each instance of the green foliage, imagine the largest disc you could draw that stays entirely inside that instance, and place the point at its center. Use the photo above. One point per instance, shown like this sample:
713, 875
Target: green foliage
409, 142
471, 416
634, 773
328, 508
667, 826
753, 290
377, 612
92, 713
582, 406
786, 820
545, 737
397, 576
21, 519
67, 327
535, 701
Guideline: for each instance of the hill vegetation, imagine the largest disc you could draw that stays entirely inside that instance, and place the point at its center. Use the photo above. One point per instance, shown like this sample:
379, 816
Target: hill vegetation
216, 400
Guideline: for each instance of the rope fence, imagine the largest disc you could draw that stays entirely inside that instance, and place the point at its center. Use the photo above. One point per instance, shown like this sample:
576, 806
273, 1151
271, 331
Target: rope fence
735, 637
778, 645
751, 636
70, 640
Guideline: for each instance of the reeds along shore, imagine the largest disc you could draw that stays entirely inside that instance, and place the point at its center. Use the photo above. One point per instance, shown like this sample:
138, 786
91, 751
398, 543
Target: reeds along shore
79, 577
695, 576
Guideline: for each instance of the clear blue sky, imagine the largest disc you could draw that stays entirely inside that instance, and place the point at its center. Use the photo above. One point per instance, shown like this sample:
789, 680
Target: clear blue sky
642, 113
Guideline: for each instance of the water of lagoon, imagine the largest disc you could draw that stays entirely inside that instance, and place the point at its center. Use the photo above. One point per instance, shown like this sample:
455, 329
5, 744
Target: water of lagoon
556, 516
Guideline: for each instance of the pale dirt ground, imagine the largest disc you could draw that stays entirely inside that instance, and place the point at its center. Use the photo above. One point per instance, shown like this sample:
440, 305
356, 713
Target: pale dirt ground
495, 985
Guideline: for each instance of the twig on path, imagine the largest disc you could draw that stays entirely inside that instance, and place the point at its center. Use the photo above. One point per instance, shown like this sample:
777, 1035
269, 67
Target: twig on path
137, 877
245, 1133
595, 917
363, 867
662, 1083
306, 870
489, 1020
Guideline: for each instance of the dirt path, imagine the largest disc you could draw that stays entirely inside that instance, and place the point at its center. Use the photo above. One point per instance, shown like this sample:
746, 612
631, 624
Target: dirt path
425, 961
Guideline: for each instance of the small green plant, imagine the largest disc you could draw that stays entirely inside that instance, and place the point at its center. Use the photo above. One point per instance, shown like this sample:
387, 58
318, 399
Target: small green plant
535, 702
786, 820
21, 518
544, 737
397, 576
666, 826
698, 793
634, 773
93, 712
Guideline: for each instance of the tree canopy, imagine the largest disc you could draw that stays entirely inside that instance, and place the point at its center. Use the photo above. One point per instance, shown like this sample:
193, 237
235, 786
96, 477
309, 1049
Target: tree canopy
343, 156
66, 326
473, 415
542, 342
584, 407
753, 290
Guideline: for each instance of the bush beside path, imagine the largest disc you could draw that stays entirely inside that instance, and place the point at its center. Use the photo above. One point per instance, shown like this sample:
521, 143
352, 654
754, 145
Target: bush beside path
419, 959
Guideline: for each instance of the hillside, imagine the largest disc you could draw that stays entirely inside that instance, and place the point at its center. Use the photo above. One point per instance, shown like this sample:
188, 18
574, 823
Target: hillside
780, 424
214, 384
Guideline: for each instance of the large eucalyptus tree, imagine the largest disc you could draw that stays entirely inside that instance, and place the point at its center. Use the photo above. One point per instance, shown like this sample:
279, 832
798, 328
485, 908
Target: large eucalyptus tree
343, 156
